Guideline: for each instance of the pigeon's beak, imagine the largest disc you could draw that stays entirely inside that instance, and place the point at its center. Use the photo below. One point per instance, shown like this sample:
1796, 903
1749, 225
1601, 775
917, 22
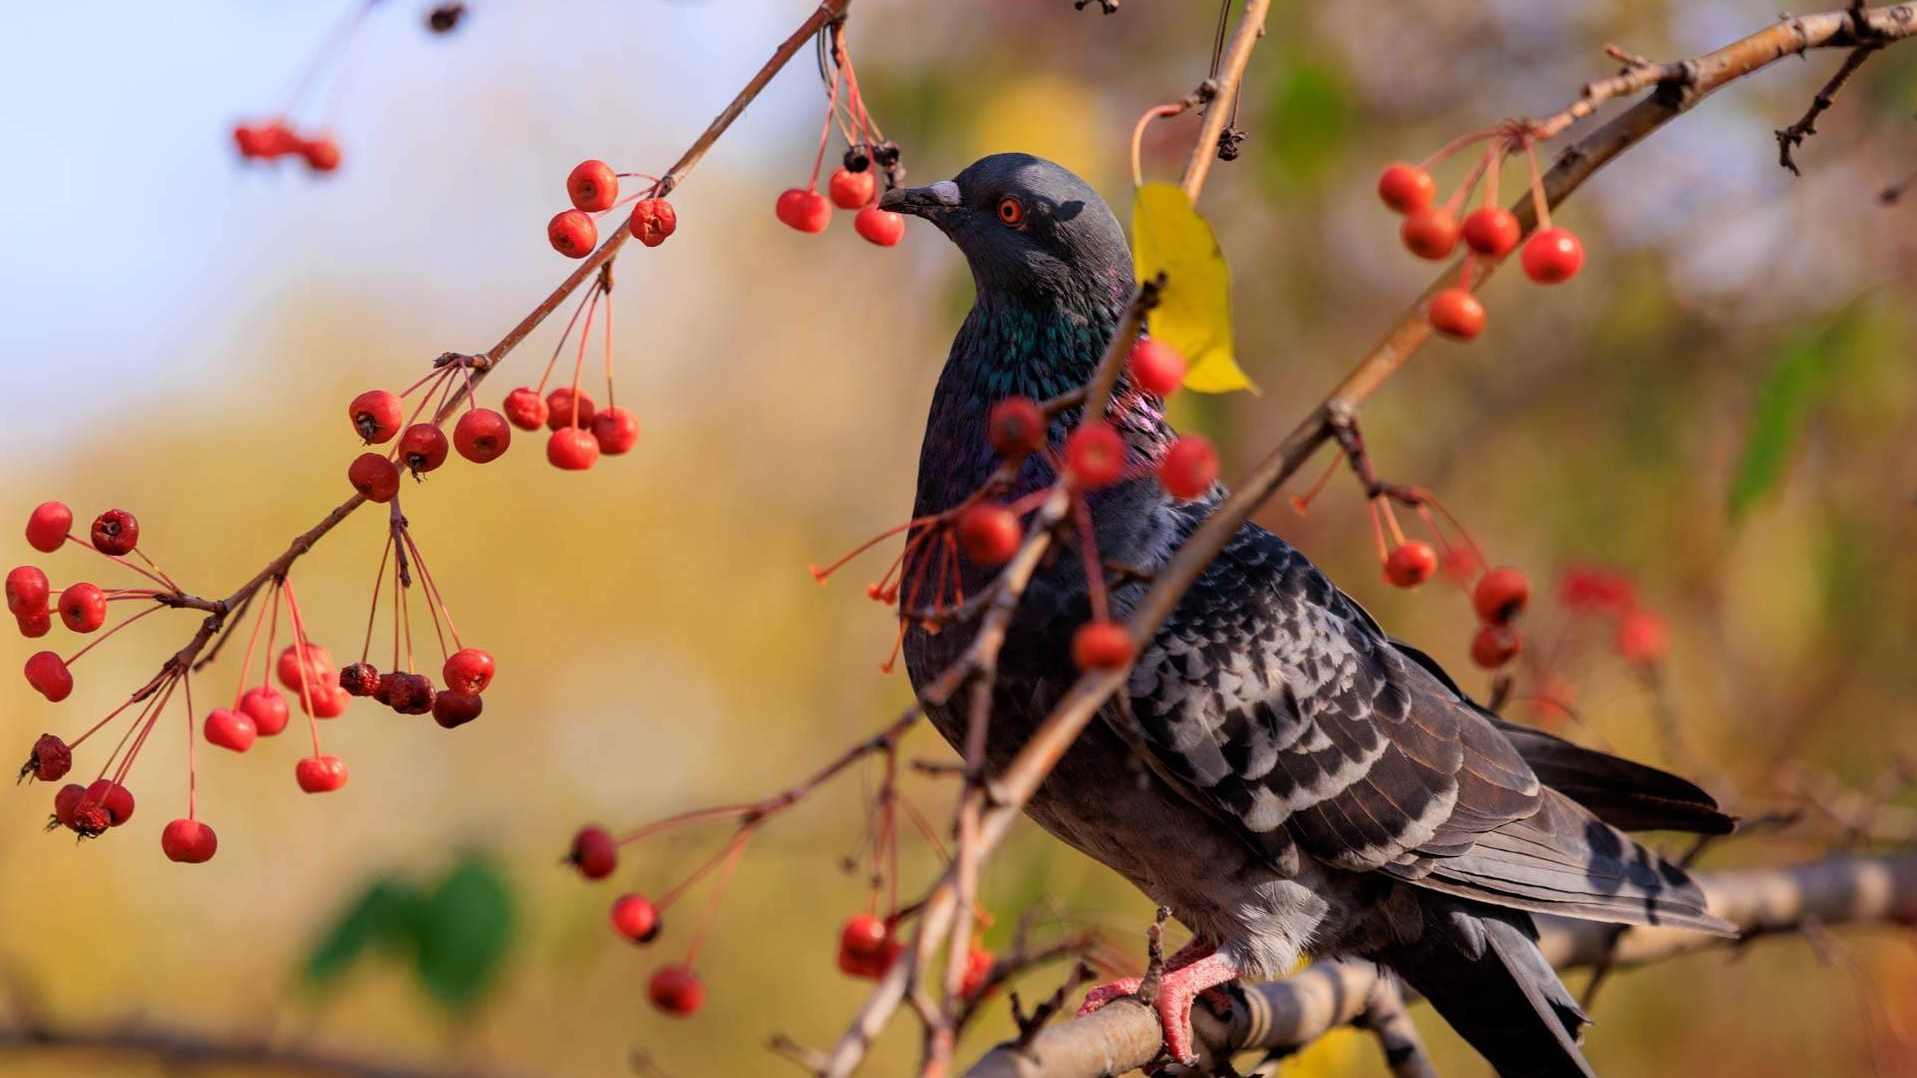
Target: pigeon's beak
931, 203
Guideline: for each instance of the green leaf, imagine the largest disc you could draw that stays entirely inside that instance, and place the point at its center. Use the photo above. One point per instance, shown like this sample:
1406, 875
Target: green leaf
382, 915
1194, 310
1800, 381
463, 933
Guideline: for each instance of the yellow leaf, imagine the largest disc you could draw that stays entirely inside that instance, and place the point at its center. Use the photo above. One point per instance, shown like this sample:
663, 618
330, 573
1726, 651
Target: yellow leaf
1194, 310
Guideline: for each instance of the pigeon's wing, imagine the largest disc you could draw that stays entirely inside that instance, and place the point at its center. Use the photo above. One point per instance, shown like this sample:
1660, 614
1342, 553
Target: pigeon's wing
1278, 702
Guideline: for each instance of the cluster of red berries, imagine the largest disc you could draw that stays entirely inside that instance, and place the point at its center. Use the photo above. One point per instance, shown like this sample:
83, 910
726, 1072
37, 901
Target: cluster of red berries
1639, 635
82, 606
275, 139
674, 988
467, 673
853, 186
593, 187
581, 430
1552, 255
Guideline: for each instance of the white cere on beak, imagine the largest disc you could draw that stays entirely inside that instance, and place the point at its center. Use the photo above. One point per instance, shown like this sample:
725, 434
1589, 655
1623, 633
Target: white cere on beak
946, 192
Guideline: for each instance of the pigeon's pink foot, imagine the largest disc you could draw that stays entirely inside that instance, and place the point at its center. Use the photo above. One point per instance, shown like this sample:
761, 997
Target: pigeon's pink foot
1176, 994
1105, 993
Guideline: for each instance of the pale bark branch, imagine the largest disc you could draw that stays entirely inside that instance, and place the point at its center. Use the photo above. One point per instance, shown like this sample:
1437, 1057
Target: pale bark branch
1286, 1015
206, 1053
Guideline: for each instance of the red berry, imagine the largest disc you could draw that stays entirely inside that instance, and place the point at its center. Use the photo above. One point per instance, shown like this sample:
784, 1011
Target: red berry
83, 608
230, 729
1101, 645
525, 408
616, 430
636, 918
408, 694
572, 234
989, 534
328, 700
247, 138
469, 670
1430, 232
1585, 587
1189, 467
277, 140
1494, 646
27, 591
1492, 231
115, 798
115, 532
675, 989
34, 626
317, 660
320, 774
189, 842
374, 476
979, 964
482, 435
50, 759
321, 154
1157, 367
804, 209
423, 447
49, 676
1411, 564
594, 853
47, 528
1456, 314
865, 946
1016, 426
359, 679
652, 220
1553, 256
376, 415
1094, 454
267, 708
1406, 188
454, 709
1501, 595
66, 802
1642, 637
593, 186
572, 450
850, 189
882, 227
562, 403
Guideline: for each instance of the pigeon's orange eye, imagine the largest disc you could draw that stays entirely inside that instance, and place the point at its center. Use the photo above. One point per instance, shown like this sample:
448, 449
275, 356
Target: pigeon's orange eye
1011, 211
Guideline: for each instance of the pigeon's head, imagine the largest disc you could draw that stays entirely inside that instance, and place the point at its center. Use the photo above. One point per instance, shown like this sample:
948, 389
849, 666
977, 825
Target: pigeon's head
1029, 228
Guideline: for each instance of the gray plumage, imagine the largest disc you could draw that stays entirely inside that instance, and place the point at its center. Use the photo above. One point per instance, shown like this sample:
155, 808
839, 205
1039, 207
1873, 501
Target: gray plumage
1280, 772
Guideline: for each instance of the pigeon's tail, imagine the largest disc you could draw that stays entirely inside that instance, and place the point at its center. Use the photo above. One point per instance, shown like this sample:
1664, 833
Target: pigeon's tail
1481, 968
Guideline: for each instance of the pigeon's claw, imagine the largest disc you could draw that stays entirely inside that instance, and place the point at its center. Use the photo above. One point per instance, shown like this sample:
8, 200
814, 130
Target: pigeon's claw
1176, 994
1105, 993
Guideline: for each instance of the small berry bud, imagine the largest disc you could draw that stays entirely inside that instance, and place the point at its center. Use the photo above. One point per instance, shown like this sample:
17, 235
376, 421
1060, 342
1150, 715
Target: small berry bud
376, 415
572, 233
1094, 454
1406, 188
115, 532
189, 842
803, 209
593, 853
1101, 645
1157, 368
1189, 467
592, 186
1016, 426
47, 528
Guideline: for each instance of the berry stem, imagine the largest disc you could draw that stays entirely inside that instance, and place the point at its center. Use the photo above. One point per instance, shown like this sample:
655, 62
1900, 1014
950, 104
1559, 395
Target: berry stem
192, 753
728, 862
379, 584
1539, 203
108, 635
299, 651
825, 132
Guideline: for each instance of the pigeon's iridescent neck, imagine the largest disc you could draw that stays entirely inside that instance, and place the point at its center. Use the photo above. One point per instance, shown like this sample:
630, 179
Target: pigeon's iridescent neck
1033, 347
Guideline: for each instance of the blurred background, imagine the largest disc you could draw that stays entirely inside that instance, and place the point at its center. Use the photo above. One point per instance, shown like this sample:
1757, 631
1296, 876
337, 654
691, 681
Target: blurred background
1720, 408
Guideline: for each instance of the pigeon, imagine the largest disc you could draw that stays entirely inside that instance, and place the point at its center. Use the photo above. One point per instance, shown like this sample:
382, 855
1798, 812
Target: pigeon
1279, 772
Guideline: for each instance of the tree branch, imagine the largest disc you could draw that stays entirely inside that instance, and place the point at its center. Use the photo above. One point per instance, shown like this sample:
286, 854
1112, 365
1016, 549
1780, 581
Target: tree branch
192, 1051
1284, 1016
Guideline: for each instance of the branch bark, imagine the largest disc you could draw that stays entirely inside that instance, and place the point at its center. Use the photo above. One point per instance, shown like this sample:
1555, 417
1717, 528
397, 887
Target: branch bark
178, 1049
1284, 1016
